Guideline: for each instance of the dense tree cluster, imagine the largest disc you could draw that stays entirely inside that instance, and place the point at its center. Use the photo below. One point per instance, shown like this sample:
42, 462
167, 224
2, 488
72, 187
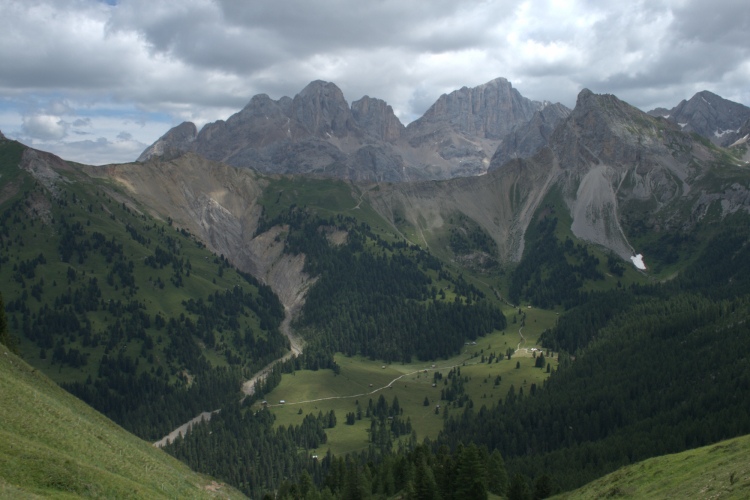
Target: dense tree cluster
551, 273
656, 372
109, 301
377, 299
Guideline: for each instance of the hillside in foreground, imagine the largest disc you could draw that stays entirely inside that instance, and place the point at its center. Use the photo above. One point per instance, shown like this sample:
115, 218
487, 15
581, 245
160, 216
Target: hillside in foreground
721, 471
52, 444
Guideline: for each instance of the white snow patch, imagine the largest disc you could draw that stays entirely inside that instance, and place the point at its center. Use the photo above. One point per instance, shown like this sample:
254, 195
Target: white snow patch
682, 125
638, 262
719, 134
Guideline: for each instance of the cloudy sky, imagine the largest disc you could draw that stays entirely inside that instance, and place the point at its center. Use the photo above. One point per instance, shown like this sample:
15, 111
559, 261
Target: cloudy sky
98, 81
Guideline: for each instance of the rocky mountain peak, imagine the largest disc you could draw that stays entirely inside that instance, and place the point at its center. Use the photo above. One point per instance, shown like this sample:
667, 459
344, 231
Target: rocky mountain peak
322, 109
709, 115
490, 110
376, 117
528, 138
260, 107
173, 143
602, 129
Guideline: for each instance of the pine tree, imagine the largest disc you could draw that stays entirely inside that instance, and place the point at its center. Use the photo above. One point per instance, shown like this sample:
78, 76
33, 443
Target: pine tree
519, 489
425, 487
5, 337
470, 474
497, 477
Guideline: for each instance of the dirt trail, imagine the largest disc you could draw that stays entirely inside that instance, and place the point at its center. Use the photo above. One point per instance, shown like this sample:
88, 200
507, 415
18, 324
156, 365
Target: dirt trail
522, 341
183, 429
248, 387
295, 350
288, 403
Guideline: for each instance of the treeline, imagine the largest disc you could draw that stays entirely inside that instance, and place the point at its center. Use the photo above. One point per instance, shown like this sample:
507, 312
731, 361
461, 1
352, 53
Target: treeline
244, 449
415, 472
378, 299
551, 272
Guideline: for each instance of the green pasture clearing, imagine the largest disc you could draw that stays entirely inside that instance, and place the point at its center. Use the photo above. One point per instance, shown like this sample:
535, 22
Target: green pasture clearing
323, 391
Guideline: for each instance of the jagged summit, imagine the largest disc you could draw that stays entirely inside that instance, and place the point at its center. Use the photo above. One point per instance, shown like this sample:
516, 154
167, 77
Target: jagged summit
490, 110
528, 138
709, 115
377, 118
604, 129
467, 132
318, 132
321, 108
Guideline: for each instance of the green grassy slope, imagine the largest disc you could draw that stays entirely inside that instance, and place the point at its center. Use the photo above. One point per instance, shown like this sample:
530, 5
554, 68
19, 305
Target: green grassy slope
52, 444
721, 471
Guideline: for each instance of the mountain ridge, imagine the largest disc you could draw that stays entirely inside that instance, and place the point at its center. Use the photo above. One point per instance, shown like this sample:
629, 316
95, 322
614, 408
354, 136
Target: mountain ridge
317, 132
708, 115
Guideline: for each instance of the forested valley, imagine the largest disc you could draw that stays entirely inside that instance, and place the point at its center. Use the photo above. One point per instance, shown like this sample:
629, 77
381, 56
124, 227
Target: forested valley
134, 316
645, 370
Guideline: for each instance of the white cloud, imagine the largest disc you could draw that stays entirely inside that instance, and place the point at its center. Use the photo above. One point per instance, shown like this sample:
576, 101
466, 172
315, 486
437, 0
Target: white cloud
154, 63
45, 127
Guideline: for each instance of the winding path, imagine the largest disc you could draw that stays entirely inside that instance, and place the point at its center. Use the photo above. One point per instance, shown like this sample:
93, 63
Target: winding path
248, 387
421, 370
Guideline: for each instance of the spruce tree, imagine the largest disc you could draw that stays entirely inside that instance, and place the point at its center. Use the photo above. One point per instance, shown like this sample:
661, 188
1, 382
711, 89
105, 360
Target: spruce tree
497, 477
5, 337
470, 474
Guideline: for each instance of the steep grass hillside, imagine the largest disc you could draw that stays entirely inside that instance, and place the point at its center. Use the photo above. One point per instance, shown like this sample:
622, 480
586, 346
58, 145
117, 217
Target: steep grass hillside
52, 444
719, 471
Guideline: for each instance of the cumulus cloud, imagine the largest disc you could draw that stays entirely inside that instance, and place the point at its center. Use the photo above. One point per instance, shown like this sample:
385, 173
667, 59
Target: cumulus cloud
164, 62
45, 127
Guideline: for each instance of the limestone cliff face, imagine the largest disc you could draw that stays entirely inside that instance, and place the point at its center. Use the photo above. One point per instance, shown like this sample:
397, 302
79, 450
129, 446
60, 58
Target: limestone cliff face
529, 137
376, 117
322, 110
488, 111
459, 134
317, 132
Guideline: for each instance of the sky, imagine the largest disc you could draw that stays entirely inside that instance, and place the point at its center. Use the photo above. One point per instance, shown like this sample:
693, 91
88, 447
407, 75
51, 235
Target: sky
98, 81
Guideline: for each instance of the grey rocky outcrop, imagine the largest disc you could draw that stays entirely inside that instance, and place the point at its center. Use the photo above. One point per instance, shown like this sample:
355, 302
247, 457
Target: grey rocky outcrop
172, 144
376, 117
709, 115
529, 137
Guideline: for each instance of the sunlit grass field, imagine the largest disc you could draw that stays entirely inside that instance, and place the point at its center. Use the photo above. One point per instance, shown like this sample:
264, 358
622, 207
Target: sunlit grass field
362, 379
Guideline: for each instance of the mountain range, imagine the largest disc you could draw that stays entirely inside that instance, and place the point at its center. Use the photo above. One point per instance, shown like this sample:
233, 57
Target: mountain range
318, 132
464, 133
618, 169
